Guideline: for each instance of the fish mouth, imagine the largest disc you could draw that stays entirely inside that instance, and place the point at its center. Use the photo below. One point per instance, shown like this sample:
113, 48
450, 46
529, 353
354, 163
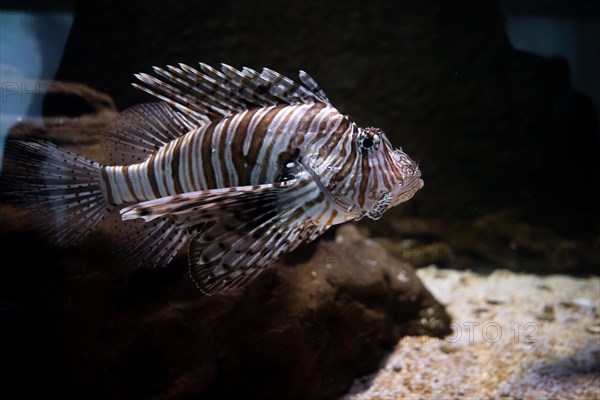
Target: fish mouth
407, 189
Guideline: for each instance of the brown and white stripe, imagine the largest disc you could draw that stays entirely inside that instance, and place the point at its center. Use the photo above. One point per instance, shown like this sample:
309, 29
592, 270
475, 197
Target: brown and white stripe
210, 157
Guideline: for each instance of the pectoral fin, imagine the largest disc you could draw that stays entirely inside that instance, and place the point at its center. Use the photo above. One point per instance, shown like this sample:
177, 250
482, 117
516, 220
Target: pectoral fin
240, 230
204, 206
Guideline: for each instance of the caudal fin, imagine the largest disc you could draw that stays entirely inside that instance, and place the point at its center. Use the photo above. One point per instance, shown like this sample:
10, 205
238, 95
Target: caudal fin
61, 187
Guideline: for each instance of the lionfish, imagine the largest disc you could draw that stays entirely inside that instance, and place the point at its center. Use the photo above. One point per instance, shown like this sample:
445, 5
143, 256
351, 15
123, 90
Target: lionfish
242, 165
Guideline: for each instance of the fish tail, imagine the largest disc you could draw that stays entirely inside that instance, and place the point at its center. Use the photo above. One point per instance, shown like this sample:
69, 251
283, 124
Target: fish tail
63, 188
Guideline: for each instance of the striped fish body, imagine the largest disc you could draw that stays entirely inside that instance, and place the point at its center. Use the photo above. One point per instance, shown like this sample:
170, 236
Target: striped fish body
242, 166
250, 148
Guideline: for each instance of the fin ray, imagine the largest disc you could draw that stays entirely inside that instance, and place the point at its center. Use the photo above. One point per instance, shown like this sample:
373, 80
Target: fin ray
61, 186
149, 244
207, 94
193, 208
140, 130
254, 247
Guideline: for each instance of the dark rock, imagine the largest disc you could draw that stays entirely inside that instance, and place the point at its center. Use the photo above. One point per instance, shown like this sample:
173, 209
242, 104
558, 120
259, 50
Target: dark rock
449, 348
495, 302
547, 313
306, 328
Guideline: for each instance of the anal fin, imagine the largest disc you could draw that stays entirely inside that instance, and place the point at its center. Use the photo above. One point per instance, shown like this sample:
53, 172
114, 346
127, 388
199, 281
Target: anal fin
149, 244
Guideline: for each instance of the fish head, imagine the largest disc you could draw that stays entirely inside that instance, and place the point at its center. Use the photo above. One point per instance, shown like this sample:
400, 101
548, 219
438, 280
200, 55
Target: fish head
378, 175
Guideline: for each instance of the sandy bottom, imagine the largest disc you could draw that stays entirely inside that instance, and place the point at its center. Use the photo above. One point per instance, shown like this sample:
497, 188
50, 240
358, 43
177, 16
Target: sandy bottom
516, 336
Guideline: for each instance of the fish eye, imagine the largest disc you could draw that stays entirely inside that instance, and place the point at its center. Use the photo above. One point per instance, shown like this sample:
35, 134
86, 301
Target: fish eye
368, 140
367, 143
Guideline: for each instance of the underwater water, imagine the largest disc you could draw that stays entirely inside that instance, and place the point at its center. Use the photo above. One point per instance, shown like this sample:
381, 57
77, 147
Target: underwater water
497, 102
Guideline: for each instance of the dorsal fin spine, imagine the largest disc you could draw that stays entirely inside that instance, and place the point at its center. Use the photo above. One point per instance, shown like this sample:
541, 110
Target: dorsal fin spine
156, 86
220, 85
244, 88
207, 94
190, 100
313, 86
185, 79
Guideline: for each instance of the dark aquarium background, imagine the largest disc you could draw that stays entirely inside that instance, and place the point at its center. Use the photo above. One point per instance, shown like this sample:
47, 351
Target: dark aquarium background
499, 101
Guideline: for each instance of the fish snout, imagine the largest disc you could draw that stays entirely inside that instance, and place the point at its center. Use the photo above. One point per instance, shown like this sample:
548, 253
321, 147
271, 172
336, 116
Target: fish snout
406, 189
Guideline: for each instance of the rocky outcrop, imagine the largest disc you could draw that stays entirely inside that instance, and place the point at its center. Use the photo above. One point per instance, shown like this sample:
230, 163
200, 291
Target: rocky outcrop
89, 327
